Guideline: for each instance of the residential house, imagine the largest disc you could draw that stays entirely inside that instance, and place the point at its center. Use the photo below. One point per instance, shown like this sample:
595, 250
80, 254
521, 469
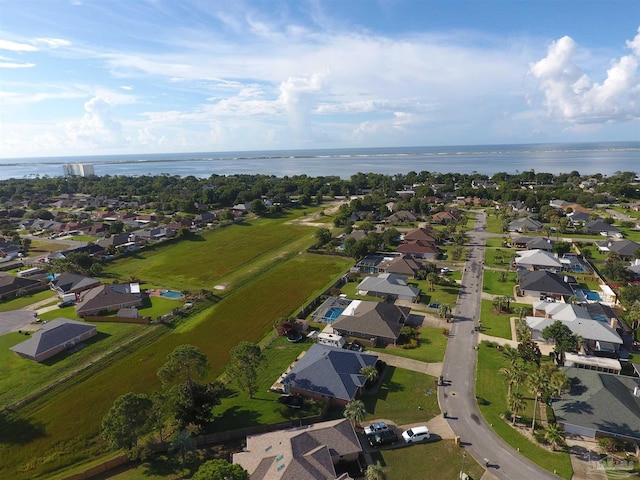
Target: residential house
328, 373
533, 243
400, 265
301, 453
525, 224
108, 298
11, 287
116, 240
54, 337
9, 250
515, 205
446, 217
538, 260
419, 248
375, 322
577, 218
624, 248
403, 216
422, 234
600, 405
389, 286
66, 283
600, 227
543, 284
601, 338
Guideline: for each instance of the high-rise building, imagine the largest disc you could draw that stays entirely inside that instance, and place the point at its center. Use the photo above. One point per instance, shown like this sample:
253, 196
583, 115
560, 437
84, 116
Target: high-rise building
77, 170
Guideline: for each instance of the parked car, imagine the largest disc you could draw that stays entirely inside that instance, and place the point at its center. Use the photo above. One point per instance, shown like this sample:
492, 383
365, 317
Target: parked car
355, 346
383, 437
375, 428
67, 303
416, 434
434, 305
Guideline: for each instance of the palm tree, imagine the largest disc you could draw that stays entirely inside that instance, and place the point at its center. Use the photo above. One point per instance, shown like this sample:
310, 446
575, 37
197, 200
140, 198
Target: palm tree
355, 411
444, 310
554, 435
515, 374
511, 355
509, 298
499, 303
183, 444
537, 385
432, 278
516, 405
375, 472
559, 381
370, 373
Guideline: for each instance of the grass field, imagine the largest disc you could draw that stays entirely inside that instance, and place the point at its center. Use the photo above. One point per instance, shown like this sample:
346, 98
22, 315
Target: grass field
21, 302
441, 460
276, 288
492, 387
402, 397
498, 325
491, 282
431, 349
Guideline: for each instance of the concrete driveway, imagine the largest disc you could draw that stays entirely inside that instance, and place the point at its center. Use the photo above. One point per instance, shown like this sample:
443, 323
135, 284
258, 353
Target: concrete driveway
15, 320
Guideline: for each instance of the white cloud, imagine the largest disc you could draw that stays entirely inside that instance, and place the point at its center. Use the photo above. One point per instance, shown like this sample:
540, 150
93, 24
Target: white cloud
16, 47
4, 64
298, 96
571, 95
52, 42
97, 127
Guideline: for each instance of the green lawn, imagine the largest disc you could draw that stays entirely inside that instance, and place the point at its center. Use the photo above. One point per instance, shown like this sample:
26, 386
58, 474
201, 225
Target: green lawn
492, 387
238, 411
440, 460
497, 325
403, 398
21, 302
431, 349
274, 293
491, 282
447, 294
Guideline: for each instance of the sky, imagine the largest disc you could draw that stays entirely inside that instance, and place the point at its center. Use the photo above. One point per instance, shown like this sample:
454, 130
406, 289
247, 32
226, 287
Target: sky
96, 77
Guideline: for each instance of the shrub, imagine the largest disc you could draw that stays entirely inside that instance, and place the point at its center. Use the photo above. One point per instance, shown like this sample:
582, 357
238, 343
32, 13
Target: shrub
444, 331
413, 343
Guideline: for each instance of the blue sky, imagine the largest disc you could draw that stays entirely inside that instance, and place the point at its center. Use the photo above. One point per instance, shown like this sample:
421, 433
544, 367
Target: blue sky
82, 77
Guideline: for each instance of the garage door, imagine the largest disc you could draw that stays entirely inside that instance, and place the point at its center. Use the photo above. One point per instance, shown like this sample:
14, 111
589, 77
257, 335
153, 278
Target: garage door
582, 431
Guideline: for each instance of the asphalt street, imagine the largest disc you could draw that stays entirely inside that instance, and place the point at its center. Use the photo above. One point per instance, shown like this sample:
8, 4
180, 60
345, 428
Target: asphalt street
457, 396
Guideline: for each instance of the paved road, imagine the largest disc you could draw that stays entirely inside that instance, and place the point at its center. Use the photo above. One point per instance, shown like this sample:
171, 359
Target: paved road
457, 397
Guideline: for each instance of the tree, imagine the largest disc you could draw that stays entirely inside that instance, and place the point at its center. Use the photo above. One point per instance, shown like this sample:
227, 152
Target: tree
511, 355
499, 303
375, 472
187, 360
26, 244
515, 374
127, 421
194, 406
355, 411
444, 311
554, 435
516, 404
537, 385
565, 340
323, 236
432, 278
220, 470
247, 360
559, 381
370, 373
529, 350
258, 207
183, 444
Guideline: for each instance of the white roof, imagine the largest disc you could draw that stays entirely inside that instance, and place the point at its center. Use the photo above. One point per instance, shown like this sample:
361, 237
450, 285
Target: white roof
351, 309
539, 258
587, 328
590, 360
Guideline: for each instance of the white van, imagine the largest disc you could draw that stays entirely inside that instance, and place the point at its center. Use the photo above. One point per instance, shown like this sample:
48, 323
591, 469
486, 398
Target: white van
416, 434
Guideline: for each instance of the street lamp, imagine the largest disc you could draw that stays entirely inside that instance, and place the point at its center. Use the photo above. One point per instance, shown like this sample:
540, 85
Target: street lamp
464, 455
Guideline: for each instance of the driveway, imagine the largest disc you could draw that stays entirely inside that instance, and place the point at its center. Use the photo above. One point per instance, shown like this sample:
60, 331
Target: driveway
433, 369
457, 397
15, 320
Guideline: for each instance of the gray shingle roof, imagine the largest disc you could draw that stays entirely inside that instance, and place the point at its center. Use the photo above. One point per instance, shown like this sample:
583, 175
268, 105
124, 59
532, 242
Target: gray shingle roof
330, 371
389, 284
53, 334
372, 319
68, 282
601, 401
544, 281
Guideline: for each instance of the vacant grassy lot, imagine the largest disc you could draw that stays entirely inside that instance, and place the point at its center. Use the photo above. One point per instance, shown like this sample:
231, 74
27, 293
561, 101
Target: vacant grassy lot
62, 430
431, 349
491, 282
494, 324
441, 460
403, 398
492, 387
204, 261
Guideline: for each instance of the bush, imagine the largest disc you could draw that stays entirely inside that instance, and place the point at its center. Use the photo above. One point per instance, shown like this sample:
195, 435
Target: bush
489, 343
444, 331
413, 343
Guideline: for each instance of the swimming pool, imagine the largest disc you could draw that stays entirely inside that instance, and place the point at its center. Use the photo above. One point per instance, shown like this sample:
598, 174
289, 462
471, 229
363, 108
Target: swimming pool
592, 295
332, 314
171, 294
577, 268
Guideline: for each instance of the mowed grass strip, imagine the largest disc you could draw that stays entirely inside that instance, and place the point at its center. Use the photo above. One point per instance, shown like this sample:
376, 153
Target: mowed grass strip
22, 302
492, 387
441, 460
203, 261
69, 421
491, 282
